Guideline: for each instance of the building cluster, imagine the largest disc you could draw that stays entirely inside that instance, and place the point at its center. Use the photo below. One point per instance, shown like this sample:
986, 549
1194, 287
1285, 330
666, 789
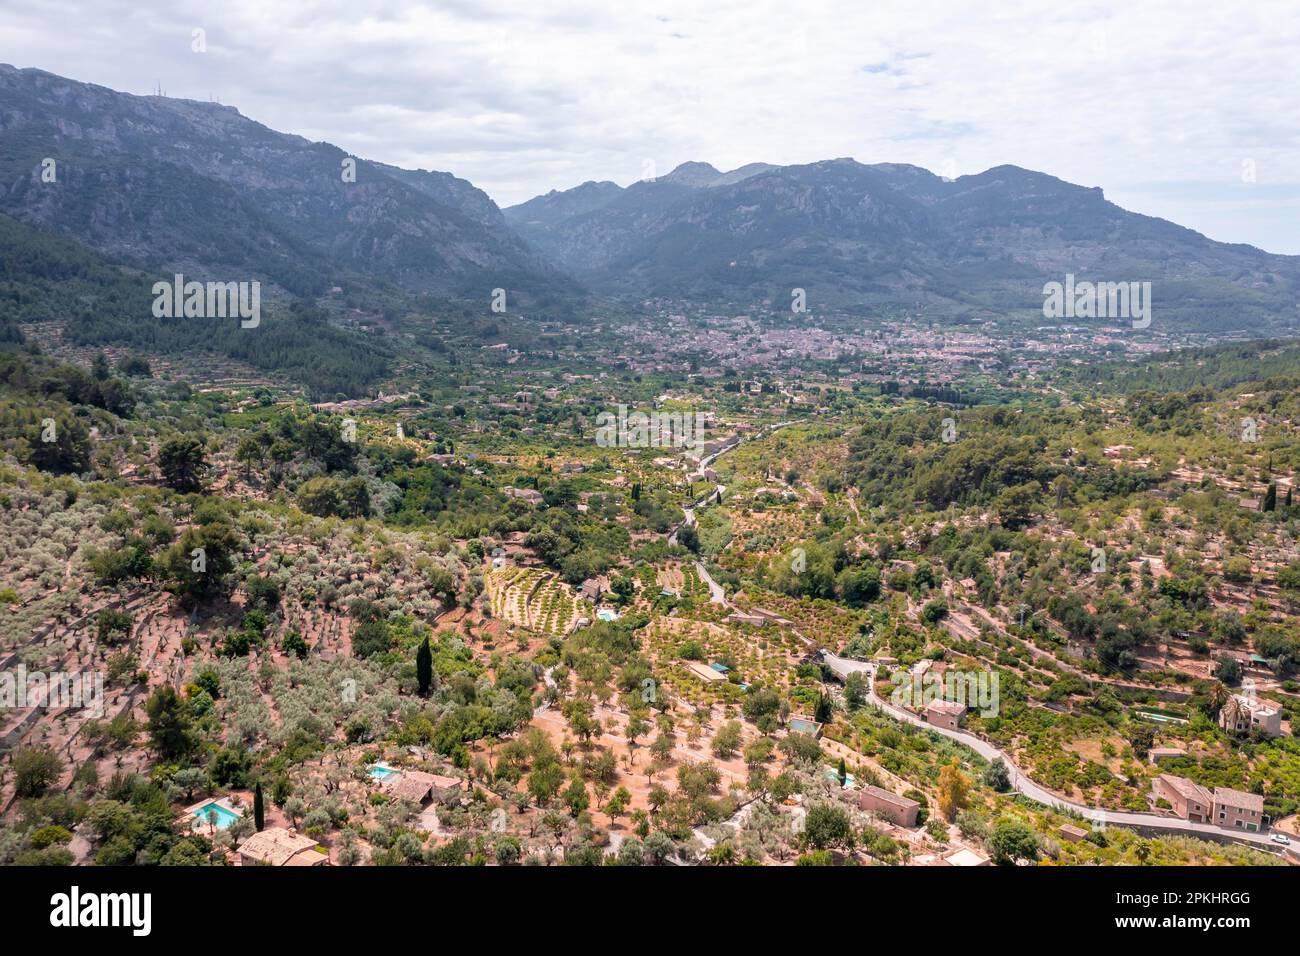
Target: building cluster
1225, 807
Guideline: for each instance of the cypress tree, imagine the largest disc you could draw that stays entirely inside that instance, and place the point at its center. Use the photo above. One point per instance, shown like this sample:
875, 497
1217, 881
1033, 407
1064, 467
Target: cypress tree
424, 667
844, 773
823, 713
259, 812
1270, 498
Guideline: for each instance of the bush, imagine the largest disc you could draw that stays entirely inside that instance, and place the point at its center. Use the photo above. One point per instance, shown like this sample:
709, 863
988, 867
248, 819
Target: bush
36, 769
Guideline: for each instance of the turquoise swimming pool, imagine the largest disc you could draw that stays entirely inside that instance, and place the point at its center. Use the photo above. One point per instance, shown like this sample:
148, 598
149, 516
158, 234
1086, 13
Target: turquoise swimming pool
213, 812
382, 772
605, 614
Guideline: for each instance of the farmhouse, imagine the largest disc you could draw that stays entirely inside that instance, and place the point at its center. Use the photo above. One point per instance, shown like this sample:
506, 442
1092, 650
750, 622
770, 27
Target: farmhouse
419, 787
276, 846
888, 806
704, 672
945, 713
1225, 807
1238, 810
1189, 800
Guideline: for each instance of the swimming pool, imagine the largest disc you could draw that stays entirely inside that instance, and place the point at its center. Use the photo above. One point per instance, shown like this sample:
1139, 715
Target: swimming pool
224, 816
605, 614
382, 772
834, 774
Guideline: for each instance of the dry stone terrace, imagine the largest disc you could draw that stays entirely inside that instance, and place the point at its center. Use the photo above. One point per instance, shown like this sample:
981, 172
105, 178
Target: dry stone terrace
525, 644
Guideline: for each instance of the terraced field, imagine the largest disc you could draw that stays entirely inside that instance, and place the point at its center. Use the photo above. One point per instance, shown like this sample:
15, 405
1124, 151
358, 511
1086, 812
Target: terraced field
532, 599
682, 579
768, 659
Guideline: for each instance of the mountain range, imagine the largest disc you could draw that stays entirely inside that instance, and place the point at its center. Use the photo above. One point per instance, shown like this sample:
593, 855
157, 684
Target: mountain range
890, 236
161, 185
174, 184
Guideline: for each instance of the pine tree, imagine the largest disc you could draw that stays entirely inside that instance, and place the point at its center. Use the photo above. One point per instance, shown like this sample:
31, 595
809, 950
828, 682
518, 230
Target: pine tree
424, 667
259, 812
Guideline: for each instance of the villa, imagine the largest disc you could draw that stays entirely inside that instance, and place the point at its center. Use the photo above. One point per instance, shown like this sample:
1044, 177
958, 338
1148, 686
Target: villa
1243, 714
530, 495
276, 846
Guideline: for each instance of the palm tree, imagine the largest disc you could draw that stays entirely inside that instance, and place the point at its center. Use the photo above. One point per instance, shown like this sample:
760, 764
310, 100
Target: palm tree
1218, 697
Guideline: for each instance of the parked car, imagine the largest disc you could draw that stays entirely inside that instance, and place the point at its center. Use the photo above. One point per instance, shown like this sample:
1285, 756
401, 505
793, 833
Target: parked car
1280, 838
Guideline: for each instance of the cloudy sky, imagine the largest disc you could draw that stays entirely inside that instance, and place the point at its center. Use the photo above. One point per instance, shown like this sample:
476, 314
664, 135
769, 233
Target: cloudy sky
1185, 109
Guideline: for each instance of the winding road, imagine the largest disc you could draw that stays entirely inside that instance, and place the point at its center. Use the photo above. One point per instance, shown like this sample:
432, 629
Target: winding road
1020, 781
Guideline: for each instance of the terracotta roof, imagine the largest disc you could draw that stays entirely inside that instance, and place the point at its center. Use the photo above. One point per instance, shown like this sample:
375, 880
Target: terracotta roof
1239, 799
1187, 789
903, 803
946, 707
415, 785
277, 846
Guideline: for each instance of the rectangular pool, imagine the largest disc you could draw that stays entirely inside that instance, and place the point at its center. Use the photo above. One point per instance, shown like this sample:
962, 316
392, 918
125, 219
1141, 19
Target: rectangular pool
224, 817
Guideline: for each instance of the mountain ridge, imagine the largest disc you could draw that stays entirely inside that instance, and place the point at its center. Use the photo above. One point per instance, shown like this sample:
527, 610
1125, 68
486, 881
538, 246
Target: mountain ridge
164, 182
893, 236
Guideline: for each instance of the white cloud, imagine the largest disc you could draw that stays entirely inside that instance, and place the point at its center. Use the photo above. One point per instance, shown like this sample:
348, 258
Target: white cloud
521, 97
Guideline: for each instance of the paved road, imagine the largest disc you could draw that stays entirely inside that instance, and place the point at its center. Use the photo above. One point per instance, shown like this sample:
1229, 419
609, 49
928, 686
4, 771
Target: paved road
716, 594
1021, 782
